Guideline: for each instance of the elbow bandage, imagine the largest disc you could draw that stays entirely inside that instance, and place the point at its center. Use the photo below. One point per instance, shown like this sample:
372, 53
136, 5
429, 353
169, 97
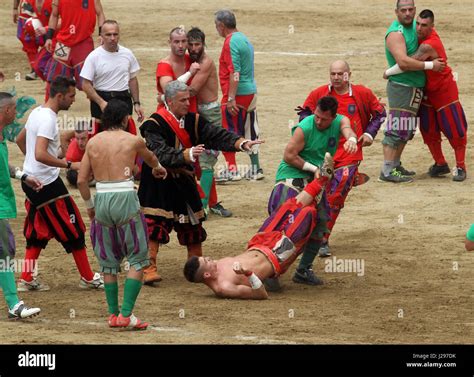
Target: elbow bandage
395, 70
254, 281
185, 77
308, 166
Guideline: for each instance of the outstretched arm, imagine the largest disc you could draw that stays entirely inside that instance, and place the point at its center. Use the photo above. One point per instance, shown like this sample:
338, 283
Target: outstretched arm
150, 159
351, 138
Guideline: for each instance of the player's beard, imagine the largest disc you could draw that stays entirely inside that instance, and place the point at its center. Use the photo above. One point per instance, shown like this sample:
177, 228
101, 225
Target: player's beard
196, 57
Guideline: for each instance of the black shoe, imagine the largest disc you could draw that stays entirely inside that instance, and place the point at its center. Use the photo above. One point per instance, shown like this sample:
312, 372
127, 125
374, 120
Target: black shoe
306, 276
404, 171
460, 175
438, 170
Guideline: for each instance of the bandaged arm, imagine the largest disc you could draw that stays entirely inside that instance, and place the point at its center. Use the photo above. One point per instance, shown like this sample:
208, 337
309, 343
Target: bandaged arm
395, 70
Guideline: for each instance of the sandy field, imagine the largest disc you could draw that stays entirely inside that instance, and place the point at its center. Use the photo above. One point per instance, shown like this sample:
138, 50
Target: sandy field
418, 281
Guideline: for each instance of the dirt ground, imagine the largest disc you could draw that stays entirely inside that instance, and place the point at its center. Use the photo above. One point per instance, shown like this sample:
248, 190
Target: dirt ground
418, 281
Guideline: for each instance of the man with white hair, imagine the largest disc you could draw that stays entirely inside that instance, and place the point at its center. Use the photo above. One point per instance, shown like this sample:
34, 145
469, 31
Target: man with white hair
177, 137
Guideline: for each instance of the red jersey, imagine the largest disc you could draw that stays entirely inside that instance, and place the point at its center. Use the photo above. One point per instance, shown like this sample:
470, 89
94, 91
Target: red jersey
441, 88
44, 13
77, 21
74, 154
165, 69
360, 105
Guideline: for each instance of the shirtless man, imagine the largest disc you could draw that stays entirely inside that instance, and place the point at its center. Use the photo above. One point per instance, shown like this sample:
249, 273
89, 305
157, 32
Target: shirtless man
118, 228
205, 87
176, 66
270, 252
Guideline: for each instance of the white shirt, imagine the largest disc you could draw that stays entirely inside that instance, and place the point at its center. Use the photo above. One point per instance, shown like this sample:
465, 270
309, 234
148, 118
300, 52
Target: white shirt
110, 71
41, 122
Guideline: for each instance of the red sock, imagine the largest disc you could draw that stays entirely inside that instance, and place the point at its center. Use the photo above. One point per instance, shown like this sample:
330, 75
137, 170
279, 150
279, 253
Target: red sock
82, 263
459, 146
437, 152
231, 162
31, 256
213, 194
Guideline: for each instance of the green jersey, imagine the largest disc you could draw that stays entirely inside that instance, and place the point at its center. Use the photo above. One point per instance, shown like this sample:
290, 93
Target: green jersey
470, 233
415, 79
316, 144
7, 196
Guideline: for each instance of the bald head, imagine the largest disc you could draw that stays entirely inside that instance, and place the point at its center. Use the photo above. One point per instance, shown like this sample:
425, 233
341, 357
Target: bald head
339, 75
340, 65
405, 3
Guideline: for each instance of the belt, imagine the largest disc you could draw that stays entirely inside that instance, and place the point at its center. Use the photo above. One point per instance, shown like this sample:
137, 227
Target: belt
123, 93
115, 186
208, 106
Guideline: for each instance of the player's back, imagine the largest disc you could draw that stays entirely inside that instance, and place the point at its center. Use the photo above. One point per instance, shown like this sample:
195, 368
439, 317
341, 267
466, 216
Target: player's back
112, 155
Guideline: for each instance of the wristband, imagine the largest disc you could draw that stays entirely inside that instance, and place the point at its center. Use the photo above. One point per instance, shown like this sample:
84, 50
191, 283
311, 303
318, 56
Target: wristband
248, 273
353, 139
89, 203
429, 66
191, 157
308, 166
158, 166
254, 281
23, 177
369, 135
230, 99
69, 163
49, 34
136, 103
241, 145
18, 173
185, 77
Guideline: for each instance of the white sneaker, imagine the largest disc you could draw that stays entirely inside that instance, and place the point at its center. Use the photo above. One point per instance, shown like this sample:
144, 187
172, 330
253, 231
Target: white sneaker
20, 311
31, 76
34, 285
96, 283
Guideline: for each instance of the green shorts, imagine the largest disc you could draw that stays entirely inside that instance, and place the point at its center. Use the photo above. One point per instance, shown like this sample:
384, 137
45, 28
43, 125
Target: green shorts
404, 102
119, 229
208, 159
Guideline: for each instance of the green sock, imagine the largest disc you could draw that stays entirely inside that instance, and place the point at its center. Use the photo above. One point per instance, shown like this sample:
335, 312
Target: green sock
111, 294
7, 282
310, 251
130, 294
255, 162
206, 183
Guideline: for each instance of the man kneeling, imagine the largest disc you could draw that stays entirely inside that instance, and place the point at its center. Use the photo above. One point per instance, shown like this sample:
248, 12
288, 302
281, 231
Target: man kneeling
270, 252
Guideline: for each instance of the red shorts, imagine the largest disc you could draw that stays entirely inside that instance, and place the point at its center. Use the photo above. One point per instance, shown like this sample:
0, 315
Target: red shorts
71, 63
